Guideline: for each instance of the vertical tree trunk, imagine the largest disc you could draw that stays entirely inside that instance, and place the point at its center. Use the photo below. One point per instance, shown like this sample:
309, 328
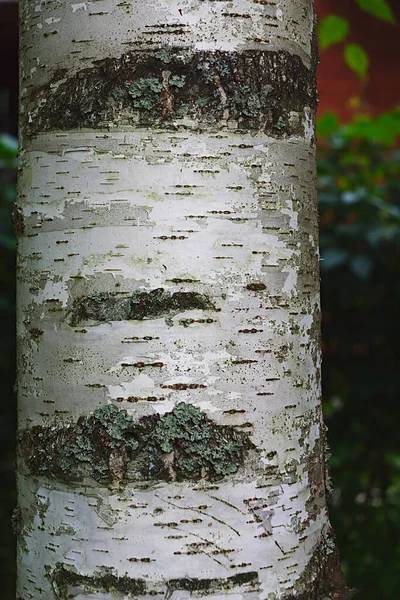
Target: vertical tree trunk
171, 440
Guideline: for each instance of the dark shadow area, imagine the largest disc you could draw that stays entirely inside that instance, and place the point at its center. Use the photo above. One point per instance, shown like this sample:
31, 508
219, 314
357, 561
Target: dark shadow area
359, 196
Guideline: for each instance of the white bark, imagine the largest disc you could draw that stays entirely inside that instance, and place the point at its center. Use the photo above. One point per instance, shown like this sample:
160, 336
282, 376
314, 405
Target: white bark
223, 212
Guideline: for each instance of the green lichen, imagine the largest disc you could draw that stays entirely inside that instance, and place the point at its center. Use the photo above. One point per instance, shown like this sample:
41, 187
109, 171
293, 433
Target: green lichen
165, 55
199, 448
79, 450
145, 92
116, 423
109, 446
212, 65
280, 124
202, 102
249, 103
177, 81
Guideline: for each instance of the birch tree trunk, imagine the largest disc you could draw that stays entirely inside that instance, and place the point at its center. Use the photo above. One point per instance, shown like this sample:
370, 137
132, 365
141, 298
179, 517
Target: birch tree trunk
171, 441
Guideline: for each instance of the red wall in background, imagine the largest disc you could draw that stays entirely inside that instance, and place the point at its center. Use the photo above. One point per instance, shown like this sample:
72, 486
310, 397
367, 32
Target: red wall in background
8, 66
337, 83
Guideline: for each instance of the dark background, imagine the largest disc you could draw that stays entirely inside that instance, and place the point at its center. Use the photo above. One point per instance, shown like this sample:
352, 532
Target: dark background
359, 197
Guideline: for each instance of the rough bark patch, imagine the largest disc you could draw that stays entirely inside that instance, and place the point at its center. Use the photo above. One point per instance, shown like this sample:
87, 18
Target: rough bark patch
209, 585
18, 220
182, 445
256, 89
317, 479
107, 306
323, 578
63, 578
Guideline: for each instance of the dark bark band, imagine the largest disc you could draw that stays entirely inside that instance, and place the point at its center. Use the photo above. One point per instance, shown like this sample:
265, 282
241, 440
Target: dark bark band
251, 89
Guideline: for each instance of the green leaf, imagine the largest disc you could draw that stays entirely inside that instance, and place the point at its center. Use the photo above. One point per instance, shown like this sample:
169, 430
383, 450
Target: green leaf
378, 8
332, 30
357, 59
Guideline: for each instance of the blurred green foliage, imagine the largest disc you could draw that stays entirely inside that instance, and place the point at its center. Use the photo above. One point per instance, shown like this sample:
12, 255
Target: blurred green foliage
383, 129
380, 9
357, 59
359, 197
334, 29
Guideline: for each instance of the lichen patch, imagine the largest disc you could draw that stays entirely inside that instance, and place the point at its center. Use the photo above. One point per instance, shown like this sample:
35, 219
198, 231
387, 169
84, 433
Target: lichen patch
108, 446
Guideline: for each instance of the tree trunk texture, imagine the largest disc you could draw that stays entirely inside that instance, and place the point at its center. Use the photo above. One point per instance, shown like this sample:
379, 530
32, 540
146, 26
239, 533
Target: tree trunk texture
171, 442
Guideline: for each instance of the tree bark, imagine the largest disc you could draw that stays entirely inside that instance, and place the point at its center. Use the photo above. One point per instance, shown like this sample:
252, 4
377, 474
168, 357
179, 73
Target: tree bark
171, 441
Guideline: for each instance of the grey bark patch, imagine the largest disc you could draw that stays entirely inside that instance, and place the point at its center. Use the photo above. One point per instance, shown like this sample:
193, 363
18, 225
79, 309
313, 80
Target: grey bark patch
108, 306
258, 89
158, 302
81, 215
182, 445
99, 306
63, 578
